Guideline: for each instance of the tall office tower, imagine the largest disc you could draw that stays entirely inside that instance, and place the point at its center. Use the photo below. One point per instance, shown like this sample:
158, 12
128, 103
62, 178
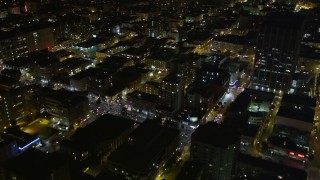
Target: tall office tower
214, 147
277, 51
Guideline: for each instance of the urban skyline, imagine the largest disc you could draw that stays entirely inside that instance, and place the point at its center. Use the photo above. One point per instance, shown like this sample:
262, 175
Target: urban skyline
159, 89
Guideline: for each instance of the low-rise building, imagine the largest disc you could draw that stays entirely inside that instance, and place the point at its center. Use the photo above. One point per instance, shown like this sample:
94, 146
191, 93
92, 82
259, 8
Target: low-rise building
98, 139
249, 167
140, 102
144, 155
47, 166
215, 148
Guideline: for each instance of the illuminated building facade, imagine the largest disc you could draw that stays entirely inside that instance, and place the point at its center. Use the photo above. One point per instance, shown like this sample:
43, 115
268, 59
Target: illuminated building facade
12, 100
277, 51
68, 107
145, 103
12, 105
15, 43
150, 87
171, 95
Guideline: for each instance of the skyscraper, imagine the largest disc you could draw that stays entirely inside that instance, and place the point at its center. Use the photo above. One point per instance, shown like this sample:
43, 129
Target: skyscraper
277, 51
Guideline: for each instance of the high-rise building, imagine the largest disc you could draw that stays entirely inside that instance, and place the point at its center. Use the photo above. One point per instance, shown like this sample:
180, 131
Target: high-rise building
277, 51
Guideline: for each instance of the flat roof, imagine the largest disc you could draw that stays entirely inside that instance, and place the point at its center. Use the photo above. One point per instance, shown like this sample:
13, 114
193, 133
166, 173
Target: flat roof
212, 68
309, 52
106, 127
262, 95
163, 54
250, 130
91, 42
127, 75
113, 62
22, 30
6, 82
199, 88
240, 104
152, 83
141, 51
217, 135
23, 139
299, 100
40, 128
271, 167
79, 76
42, 58
304, 114
62, 53
74, 62
73, 101
286, 143
41, 165
171, 78
148, 141
143, 96
100, 73
59, 95
196, 36
19, 62
284, 19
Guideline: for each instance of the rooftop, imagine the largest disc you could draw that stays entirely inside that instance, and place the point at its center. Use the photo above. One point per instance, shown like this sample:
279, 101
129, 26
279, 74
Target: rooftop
44, 164
59, 95
142, 51
203, 90
41, 58
163, 55
22, 30
113, 62
299, 100
298, 113
262, 95
74, 101
272, 168
218, 135
284, 19
250, 130
143, 96
91, 42
106, 127
171, 78
8, 83
74, 62
23, 139
240, 104
147, 144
